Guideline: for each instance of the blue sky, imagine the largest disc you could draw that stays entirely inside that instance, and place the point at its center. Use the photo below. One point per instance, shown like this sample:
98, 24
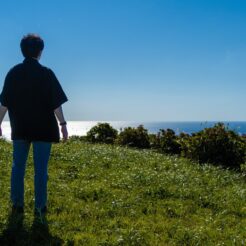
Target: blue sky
142, 60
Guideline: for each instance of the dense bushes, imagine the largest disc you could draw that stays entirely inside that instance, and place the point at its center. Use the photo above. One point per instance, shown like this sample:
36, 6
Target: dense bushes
102, 133
217, 145
129, 136
134, 137
169, 143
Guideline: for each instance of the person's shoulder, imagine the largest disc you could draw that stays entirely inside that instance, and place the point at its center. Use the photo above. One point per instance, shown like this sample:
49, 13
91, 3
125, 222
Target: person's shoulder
50, 74
46, 69
15, 70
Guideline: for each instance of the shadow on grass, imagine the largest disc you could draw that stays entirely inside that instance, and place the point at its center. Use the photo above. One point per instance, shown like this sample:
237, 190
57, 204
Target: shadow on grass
16, 234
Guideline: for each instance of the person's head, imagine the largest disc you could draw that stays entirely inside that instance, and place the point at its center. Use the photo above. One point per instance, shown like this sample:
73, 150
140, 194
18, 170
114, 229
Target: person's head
32, 46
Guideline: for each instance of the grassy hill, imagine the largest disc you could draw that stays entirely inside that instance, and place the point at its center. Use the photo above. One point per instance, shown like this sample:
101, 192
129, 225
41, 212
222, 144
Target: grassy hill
109, 195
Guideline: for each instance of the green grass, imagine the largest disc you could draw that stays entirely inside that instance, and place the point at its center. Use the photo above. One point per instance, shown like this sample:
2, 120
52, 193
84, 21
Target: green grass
109, 195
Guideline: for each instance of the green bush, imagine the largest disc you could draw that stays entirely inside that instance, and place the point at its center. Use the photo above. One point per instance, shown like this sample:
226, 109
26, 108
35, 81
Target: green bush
77, 138
102, 133
168, 142
154, 141
134, 137
165, 141
217, 145
243, 168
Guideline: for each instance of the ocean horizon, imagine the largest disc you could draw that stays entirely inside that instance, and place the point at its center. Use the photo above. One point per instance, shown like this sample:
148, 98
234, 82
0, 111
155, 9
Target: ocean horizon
80, 128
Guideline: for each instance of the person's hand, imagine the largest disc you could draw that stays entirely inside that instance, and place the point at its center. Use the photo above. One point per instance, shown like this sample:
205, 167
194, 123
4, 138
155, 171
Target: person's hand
64, 132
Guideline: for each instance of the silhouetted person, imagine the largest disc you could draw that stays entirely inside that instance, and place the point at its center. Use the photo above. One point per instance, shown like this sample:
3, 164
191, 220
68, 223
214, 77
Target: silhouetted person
33, 96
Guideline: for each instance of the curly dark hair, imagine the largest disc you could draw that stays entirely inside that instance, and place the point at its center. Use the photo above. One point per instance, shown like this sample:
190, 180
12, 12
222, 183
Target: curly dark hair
31, 45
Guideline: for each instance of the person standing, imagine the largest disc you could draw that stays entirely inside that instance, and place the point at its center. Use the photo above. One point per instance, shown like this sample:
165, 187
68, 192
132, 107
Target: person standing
33, 97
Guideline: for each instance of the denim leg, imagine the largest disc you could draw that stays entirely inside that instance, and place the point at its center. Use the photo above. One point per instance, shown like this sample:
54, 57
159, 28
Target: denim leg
20, 154
41, 154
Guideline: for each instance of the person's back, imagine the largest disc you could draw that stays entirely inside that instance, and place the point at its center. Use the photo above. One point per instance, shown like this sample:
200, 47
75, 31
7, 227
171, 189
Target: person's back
35, 93
33, 97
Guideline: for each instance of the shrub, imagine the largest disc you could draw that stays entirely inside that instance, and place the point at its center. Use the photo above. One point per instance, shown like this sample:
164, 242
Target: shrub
74, 138
168, 142
77, 138
154, 141
183, 140
102, 133
134, 137
243, 168
217, 145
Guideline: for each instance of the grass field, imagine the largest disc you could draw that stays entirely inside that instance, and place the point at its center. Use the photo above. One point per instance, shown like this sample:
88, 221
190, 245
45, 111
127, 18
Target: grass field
109, 195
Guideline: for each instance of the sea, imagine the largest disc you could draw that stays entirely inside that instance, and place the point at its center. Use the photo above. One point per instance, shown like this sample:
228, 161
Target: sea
80, 128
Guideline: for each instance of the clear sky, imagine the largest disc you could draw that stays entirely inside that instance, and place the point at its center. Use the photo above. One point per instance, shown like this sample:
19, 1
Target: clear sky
142, 60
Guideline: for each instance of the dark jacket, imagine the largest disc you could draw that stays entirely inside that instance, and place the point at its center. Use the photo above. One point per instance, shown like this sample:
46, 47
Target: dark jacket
31, 92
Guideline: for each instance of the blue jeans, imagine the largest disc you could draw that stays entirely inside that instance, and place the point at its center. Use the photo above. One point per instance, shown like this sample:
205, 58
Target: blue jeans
41, 154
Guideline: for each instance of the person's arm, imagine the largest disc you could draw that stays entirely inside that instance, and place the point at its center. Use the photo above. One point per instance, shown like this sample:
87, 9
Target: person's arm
59, 115
3, 111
